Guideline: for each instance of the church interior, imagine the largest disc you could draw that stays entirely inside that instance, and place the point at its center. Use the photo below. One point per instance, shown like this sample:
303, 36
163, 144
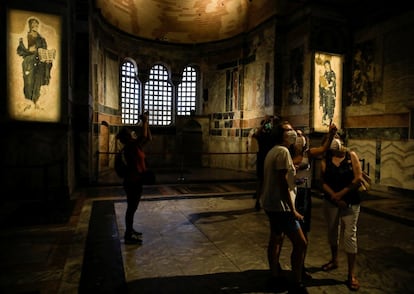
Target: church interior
207, 72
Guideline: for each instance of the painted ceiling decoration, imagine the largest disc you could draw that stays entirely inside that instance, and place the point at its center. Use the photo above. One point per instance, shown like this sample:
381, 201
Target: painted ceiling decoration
203, 21
187, 21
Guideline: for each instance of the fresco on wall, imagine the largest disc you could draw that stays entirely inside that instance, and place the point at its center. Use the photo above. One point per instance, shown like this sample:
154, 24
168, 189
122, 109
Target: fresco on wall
111, 81
33, 66
327, 91
363, 74
296, 76
232, 86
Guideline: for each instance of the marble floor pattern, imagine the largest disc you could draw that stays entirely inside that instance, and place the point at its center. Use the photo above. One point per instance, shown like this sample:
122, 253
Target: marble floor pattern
212, 241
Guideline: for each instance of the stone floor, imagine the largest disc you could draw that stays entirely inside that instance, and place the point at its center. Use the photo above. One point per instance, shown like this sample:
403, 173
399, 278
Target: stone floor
198, 238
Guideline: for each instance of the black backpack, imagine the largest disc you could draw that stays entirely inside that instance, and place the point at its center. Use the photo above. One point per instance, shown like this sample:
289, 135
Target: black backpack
120, 164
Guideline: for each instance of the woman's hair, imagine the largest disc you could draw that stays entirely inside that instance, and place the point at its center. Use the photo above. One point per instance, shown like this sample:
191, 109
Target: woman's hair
278, 131
124, 135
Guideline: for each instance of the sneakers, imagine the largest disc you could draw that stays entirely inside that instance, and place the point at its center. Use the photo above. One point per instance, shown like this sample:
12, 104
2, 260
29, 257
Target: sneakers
133, 238
136, 233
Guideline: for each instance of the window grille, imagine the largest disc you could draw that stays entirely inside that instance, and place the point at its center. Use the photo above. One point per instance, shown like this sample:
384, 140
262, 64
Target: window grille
130, 94
158, 97
187, 92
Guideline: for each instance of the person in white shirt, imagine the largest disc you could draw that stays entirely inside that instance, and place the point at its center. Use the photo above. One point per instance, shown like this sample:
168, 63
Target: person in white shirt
278, 198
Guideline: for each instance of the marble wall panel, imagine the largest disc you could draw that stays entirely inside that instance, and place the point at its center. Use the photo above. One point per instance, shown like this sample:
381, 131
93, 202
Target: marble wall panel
390, 163
366, 151
397, 164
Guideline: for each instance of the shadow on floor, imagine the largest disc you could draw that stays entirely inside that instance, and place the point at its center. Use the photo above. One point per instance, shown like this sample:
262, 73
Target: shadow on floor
251, 281
218, 216
239, 282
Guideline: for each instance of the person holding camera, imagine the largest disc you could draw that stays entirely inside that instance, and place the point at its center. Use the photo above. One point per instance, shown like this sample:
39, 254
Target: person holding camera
134, 141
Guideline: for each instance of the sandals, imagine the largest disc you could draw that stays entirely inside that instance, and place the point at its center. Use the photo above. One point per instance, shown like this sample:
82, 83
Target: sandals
352, 283
331, 265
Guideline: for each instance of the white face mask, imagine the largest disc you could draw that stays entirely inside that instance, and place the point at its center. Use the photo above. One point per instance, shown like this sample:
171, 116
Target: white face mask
300, 142
291, 137
336, 144
134, 135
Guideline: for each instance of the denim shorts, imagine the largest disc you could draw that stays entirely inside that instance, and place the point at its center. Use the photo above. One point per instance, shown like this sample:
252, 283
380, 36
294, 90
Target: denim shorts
282, 221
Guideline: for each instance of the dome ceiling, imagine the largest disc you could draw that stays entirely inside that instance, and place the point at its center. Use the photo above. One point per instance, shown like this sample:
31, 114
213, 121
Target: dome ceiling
202, 21
187, 21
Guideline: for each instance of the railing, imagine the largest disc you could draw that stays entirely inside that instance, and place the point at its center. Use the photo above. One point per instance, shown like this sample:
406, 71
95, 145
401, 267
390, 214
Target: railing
180, 163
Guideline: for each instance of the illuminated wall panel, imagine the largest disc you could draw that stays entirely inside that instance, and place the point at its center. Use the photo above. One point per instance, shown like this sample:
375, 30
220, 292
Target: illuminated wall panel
33, 66
327, 91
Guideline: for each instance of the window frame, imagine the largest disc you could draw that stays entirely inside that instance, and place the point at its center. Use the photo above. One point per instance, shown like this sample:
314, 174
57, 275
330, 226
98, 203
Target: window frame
170, 106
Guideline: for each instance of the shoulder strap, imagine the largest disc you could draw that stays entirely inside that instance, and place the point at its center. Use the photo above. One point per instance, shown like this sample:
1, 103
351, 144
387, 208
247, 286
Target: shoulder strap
348, 155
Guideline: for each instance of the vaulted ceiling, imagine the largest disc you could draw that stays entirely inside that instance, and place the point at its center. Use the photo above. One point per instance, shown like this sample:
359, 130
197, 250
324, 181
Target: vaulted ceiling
201, 21
188, 21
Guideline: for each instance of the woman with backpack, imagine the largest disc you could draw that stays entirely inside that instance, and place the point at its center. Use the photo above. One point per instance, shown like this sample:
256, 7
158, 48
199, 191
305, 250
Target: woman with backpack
134, 155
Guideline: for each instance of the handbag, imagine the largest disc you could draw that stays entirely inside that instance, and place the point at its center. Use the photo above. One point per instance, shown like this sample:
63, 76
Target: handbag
365, 184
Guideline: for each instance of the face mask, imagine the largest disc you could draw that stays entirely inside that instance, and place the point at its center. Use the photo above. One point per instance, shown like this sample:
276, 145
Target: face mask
300, 142
336, 145
134, 135
291, 137
304, 142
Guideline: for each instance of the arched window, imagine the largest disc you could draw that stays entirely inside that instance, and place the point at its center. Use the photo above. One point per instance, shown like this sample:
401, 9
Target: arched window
187, 92
130, 94
158, 97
